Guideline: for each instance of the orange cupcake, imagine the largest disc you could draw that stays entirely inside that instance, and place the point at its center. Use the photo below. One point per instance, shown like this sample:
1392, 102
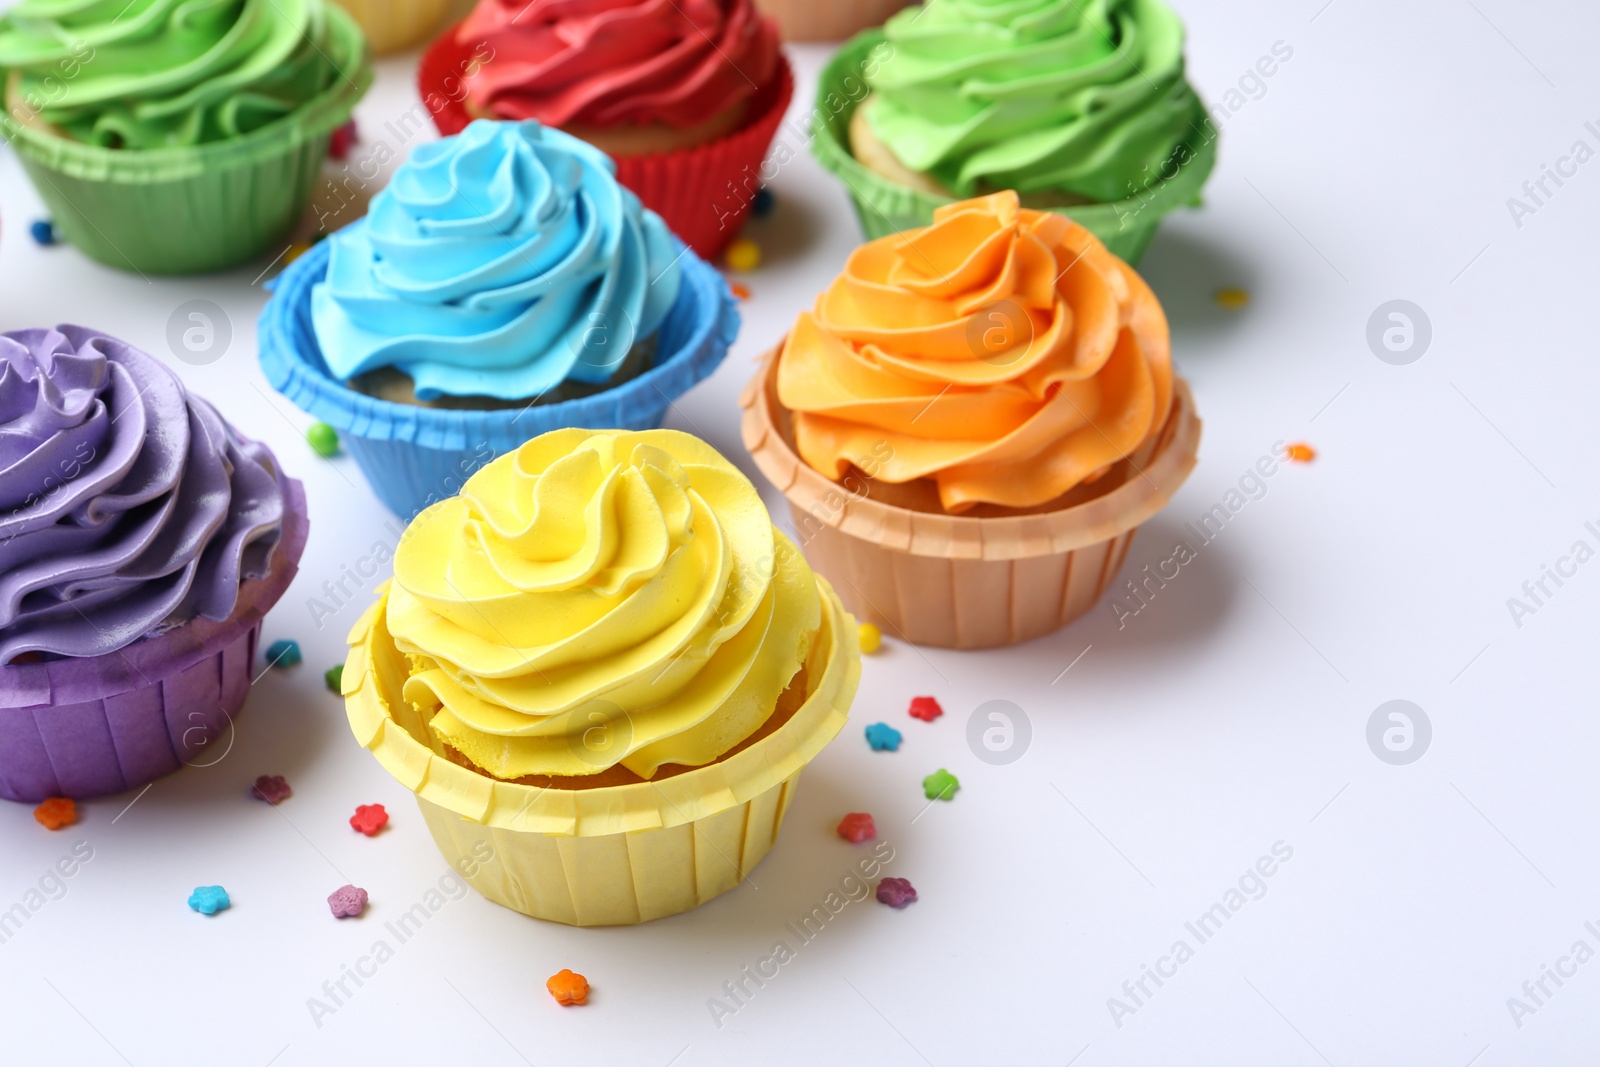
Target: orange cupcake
972, 423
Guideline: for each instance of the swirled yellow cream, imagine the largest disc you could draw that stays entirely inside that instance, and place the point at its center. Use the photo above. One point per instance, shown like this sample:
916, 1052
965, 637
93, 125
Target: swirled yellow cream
600, 598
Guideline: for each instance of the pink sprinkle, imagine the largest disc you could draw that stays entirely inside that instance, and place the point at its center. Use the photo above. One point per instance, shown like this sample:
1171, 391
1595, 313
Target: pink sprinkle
857, 827
347, 902
896, 892
925, 708
272, 788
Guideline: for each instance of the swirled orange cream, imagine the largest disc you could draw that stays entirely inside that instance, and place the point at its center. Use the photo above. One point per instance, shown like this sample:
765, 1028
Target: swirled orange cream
598, 598
1001, 352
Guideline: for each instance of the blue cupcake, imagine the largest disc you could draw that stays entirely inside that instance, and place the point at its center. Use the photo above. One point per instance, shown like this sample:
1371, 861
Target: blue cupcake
502, 286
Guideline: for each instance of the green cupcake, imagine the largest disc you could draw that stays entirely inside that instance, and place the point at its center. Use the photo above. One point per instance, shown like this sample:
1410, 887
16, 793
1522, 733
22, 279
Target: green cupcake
176, 136
1081, 106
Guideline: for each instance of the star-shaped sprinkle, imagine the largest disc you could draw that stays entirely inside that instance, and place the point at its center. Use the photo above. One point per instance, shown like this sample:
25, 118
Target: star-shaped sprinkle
57, 813
568, 988
272, 788
896, 892
369, 819
883, 737
940, 785
209, 899
857, 827
925, 708
347, 902
283, 654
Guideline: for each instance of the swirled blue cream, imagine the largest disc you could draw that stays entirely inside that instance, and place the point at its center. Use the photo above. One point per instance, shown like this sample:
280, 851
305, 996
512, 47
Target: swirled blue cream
499, 263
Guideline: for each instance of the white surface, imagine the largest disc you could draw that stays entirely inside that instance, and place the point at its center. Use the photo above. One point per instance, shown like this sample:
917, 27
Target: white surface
1229, 715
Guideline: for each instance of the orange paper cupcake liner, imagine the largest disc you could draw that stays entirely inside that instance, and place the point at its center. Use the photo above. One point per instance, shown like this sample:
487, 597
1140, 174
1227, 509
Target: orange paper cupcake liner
956, 581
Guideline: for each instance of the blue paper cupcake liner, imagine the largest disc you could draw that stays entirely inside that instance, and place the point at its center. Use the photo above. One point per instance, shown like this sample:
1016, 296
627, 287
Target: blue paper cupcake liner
417, 456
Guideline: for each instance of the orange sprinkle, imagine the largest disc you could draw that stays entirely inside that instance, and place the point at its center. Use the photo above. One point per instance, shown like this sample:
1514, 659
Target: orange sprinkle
568, 988
56, 813
1232, 299
740, 291
296, 250
1300, 452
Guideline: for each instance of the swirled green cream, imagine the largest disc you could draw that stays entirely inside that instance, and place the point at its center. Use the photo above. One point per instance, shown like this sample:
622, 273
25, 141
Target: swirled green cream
1078, 96
145, 74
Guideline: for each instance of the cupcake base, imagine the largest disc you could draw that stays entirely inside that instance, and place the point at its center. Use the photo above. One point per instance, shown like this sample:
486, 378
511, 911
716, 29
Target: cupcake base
954, 581
613, 855
1126, 226
85, 728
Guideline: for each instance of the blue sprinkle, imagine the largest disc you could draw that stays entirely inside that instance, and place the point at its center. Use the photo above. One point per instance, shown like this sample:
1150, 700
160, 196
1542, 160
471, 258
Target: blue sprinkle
883, 737
209, 899
44, 232
283, 654
764, 202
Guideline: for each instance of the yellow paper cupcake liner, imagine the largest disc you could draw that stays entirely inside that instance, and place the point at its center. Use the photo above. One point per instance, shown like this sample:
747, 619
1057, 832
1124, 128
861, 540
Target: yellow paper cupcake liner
609, 856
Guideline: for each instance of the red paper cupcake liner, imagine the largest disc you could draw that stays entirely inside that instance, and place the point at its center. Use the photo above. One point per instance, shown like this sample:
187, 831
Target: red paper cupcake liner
86, 728
703, 193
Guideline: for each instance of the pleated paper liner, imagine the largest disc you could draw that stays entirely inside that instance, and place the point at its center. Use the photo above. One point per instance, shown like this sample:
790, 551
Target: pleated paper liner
828, 20
703, 193
609, 855
193, 209
956, 581
395, 25
1126, 226
86, 728
416, 456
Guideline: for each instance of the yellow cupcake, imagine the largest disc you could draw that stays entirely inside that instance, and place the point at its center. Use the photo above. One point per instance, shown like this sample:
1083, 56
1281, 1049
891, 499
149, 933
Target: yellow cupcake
596, 661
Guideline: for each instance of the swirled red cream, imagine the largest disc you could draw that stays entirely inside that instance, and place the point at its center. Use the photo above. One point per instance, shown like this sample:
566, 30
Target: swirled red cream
604, 63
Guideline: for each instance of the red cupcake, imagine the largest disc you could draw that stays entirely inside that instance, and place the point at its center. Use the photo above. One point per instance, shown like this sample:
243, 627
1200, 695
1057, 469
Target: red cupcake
686, 95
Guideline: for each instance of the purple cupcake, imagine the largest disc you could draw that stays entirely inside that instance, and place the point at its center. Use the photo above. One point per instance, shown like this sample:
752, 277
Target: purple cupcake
142, 539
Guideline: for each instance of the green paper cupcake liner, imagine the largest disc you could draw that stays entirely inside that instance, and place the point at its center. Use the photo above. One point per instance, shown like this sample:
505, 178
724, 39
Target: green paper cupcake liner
197, 208
1126, 226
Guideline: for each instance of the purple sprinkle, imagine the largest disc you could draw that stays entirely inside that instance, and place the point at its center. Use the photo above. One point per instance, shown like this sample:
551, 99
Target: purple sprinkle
272, 788
348, 902
896, 892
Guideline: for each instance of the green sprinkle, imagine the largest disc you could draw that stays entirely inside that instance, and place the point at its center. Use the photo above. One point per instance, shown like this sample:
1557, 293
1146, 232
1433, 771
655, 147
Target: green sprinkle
335, 678
940, 785
323, 439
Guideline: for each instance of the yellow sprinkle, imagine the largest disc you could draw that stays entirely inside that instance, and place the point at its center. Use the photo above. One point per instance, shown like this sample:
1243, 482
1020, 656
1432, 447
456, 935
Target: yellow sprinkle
871, 638
1232, 299
296, 250
743, 255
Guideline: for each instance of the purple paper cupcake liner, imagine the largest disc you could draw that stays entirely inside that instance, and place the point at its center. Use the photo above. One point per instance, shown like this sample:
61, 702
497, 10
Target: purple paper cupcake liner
84, 728
416, 456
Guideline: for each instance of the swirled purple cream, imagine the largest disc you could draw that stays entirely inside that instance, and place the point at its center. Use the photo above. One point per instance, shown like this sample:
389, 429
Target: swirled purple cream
127, 507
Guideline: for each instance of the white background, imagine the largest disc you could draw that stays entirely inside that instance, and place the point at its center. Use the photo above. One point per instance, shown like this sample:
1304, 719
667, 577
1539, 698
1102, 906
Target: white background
1227, 716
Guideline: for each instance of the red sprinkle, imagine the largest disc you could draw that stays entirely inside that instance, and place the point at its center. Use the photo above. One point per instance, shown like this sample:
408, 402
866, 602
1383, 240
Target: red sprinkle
272, 788
925, 708
369, 819
739, 290
857, 827
343, 139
